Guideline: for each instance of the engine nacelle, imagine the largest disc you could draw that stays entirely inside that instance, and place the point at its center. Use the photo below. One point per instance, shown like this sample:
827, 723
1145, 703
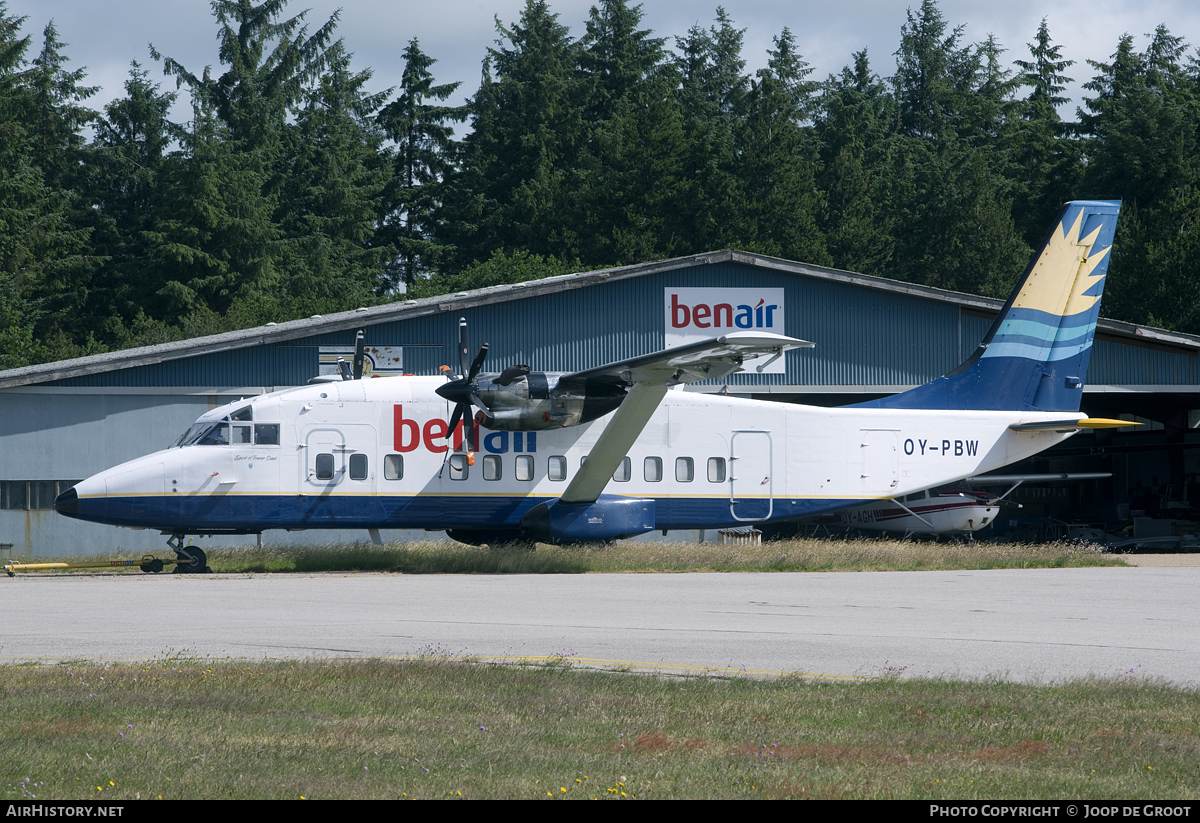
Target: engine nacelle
609, 518
540, 400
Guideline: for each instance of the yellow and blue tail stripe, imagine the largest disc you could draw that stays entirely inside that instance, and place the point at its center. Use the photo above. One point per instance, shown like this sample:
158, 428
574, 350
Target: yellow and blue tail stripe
1035, 356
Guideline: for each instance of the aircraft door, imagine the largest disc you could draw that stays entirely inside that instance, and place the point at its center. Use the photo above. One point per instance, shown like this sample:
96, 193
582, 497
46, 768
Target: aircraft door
750, 479
340, 460
880, 459
324, 465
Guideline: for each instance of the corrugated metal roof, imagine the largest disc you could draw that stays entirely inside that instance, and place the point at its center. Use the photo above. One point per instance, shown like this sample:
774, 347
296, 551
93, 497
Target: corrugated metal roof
574, 327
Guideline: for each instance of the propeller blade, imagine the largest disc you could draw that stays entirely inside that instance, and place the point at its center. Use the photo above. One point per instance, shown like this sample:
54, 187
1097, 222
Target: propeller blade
480, 404
454, 418
343, 368
478, 362
359, 354
462, 346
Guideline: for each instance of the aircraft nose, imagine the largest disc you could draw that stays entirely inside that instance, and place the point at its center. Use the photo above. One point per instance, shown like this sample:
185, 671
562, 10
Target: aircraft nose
67, 503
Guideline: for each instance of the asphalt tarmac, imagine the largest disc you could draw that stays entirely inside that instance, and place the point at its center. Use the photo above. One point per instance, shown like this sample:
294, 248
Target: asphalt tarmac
1035, 626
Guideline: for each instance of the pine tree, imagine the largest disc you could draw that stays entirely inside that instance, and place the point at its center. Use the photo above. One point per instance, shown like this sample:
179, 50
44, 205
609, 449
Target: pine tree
424, 156
1141, 147
855, 132
631, 164
334, 178
712, 98
125, 164
776, 162
221, 241
515, 189
1047, 160
45, 263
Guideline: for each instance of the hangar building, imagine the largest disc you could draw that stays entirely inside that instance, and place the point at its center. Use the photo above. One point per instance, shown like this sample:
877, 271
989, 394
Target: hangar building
60, 422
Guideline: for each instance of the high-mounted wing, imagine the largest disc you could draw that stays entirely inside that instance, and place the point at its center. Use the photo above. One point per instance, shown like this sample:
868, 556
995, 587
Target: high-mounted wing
649, 377
705, 360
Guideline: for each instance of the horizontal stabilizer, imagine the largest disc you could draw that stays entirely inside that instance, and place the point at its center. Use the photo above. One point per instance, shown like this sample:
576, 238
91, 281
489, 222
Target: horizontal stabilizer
1005, 479
1072, 425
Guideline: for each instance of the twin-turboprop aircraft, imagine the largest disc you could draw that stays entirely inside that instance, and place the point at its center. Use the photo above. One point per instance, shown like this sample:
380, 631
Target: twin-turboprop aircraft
611, 453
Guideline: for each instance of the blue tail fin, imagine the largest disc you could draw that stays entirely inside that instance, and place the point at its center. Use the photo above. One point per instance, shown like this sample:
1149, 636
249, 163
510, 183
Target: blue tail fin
1035, 355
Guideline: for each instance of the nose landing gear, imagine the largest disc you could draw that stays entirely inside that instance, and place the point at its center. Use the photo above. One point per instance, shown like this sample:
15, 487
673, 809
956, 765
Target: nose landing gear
188, 559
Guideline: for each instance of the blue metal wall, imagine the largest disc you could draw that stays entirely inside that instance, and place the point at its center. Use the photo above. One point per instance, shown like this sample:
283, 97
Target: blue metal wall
864, 337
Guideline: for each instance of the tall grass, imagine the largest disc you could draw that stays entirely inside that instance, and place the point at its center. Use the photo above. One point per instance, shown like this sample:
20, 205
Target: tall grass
810, 554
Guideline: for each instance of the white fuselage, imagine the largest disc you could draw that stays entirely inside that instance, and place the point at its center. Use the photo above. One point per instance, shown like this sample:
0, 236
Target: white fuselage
373, 454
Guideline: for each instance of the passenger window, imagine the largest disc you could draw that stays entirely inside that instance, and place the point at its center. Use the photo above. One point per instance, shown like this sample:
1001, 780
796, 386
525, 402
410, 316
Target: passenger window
266, 434
393, 467
716, 470
324, 466
624, 471
524, 467
358, 467
459, 470
556, 467
684, 470
492, 468
653, 468
241, 435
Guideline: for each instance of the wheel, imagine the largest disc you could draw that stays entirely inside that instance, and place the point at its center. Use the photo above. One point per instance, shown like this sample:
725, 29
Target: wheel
151, 565
199, 567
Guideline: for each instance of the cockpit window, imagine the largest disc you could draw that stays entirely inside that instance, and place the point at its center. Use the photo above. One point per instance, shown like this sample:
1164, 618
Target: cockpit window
218, 435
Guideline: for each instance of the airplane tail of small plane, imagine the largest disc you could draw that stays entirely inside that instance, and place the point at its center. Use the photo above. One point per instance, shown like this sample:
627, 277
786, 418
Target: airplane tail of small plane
1035, 355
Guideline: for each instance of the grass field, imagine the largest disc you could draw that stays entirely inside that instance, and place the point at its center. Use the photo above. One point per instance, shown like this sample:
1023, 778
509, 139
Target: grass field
636, 556
437, 727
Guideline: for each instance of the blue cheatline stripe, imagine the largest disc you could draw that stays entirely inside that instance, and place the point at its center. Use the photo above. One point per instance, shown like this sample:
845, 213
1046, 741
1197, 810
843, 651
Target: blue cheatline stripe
1036, 354
1032, 329
1076, 338
250, 512
1054, 321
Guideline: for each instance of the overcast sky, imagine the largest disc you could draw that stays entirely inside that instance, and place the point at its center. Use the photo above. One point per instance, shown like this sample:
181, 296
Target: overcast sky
106, 36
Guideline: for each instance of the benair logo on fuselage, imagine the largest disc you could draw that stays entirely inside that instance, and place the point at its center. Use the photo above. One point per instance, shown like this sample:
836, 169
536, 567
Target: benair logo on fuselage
692, 315
408, 434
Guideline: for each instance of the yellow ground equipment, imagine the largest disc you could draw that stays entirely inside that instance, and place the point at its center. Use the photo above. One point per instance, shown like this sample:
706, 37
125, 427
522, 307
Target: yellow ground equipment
149, 564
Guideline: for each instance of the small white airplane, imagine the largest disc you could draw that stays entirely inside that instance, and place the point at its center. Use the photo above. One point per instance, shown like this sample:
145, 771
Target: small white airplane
954, 511
949, 511
610, 453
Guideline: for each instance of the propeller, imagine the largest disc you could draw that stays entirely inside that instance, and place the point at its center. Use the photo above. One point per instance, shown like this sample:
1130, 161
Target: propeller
464, 390
359, 355
345, 370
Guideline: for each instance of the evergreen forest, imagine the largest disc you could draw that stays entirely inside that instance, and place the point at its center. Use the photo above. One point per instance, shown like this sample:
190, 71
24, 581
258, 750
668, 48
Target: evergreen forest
297, 188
